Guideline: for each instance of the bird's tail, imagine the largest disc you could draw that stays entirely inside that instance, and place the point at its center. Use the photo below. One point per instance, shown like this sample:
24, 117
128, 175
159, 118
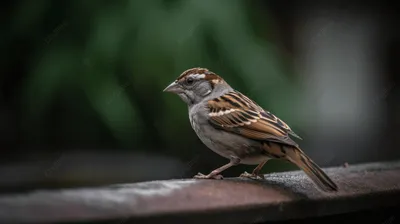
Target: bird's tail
298, 157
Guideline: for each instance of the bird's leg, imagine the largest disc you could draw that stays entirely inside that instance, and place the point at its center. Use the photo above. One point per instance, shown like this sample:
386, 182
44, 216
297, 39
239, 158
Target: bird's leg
256, 172
215, 174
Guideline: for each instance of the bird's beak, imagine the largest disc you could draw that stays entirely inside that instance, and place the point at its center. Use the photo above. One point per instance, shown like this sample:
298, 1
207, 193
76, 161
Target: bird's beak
173, 88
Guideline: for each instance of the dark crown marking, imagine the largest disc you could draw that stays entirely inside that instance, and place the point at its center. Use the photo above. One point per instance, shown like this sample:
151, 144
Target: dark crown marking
208, 75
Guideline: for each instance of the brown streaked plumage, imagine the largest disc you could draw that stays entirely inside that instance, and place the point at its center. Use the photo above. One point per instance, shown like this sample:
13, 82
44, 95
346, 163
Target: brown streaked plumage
234, 126
235, 112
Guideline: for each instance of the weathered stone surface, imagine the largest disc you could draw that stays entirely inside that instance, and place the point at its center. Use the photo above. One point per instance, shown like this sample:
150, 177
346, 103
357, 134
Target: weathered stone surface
281, 196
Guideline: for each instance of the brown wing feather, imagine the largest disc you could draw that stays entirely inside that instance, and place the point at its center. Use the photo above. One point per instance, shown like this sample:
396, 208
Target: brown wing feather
237, 113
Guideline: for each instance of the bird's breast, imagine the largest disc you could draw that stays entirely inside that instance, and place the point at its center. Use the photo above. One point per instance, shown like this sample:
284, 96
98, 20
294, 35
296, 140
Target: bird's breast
224, 143
211, 138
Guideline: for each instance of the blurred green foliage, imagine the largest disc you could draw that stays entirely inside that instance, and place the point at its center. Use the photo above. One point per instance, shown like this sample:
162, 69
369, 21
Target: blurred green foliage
96, 69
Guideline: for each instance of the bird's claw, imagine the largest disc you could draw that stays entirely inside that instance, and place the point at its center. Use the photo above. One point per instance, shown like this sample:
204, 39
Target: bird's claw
252, 176
202, 176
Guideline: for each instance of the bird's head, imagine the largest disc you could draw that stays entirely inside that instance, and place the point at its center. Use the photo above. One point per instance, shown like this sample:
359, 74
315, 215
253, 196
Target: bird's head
197, 84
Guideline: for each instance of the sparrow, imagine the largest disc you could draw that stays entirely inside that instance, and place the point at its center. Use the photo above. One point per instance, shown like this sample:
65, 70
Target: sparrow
237, 128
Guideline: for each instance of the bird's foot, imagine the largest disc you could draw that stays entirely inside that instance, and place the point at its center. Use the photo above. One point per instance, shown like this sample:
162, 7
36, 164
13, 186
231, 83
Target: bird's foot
209, 176
252, 176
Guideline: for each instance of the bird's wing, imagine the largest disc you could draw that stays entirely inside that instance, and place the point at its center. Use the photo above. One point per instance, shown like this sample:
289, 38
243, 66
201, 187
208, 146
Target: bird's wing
237, 113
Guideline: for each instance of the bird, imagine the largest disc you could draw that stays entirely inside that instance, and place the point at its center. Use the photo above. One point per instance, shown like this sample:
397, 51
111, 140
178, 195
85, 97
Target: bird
237, 128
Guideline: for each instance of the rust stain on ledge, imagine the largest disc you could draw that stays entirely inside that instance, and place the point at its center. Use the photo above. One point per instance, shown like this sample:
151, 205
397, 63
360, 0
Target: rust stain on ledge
213, 194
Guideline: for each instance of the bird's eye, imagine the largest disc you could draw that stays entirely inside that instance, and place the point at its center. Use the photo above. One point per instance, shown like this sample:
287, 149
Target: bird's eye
190, 81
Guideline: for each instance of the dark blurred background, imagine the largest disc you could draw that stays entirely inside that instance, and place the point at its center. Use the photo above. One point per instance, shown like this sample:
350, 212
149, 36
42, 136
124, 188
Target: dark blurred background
81, 99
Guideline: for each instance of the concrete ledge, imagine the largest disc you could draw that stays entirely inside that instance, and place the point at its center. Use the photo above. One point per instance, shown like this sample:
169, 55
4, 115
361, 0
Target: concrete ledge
283, 196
